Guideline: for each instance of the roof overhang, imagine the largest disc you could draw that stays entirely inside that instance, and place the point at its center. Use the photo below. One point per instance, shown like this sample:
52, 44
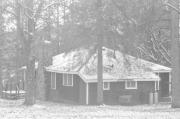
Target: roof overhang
60, 71
119, 80
113, 79
161, 71
94, 80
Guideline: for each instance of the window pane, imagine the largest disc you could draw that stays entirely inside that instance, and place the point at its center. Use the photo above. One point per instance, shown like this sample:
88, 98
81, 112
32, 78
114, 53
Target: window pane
128, 84
65, 76
65, 79
106, 86
132, 84
70, 76
68, 80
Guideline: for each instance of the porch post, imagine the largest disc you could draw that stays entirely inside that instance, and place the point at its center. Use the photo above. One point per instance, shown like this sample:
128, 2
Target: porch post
87, 93
157, 83
24, 78
170, 84
155, 86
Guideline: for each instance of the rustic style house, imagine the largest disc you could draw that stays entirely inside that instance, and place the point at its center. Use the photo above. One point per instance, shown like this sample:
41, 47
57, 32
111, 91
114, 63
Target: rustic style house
72, 78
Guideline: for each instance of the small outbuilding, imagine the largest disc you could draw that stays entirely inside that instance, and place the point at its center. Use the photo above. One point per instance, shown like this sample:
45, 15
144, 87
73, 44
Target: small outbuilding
72, 78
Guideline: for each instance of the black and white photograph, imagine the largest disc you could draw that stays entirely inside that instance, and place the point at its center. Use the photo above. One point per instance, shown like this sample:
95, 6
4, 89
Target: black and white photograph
89, 59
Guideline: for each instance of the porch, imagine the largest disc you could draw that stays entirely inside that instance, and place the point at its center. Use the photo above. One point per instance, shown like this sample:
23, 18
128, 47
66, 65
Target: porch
164, 86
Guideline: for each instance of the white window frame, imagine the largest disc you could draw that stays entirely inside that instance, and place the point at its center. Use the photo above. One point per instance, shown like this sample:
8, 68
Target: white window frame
67, 80
53, 87
126, 85
108, 86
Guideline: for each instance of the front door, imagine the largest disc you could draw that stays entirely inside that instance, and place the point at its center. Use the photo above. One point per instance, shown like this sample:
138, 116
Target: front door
164, 84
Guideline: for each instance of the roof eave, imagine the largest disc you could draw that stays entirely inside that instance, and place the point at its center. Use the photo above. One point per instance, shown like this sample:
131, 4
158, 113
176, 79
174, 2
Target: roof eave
160, 71
59, 71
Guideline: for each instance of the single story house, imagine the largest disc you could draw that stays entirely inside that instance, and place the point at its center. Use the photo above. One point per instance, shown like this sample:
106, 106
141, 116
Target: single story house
72, 78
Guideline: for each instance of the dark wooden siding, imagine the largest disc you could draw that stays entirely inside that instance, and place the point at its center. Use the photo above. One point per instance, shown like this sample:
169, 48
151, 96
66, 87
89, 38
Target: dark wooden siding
47, 76
77, 93
92, 93
117, 89
69, 94
82, 92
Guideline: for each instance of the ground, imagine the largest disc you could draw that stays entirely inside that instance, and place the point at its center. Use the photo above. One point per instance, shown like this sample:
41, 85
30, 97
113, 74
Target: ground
46, 110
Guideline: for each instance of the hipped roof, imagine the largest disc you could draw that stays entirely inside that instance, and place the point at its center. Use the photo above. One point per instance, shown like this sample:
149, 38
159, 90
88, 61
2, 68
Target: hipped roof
117, 66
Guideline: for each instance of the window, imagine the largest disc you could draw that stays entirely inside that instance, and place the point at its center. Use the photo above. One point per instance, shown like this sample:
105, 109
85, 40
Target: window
67, 79
106, 86
53, 80
131, 84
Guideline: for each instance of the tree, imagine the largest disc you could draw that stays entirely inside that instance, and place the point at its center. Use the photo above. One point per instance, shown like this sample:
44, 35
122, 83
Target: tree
27, 31
30, 62
175, 56
1, 26
100, 56
7, 45
57, 29
148, 29
29, 24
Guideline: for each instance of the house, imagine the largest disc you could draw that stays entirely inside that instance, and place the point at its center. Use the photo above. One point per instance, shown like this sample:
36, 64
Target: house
72, 78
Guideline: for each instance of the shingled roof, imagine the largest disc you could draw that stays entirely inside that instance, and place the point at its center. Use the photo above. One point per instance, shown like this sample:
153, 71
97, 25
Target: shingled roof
117, 66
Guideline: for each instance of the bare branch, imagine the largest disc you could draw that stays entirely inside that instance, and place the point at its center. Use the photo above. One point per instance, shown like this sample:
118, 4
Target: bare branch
27, 15
12, 13
162, 46
25, 7
53, 4
159, 49
142, 50
91, 52
38, 10
123, 12
171, 6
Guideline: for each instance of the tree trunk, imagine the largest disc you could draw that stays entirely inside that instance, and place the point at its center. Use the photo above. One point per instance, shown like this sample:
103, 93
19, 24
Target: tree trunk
57, 32
1, 31
30, 83
41, 78
100, 56
30, 62
175, 57
1, 85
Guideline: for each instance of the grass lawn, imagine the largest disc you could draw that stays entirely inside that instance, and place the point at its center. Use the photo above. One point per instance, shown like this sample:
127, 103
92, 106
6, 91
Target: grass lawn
46, 110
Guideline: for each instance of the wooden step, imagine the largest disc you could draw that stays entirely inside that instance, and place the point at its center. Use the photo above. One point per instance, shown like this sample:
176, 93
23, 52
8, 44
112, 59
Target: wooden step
165, 99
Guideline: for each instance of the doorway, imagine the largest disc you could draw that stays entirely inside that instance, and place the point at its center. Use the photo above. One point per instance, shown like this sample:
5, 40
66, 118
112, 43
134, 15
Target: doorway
164, 84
